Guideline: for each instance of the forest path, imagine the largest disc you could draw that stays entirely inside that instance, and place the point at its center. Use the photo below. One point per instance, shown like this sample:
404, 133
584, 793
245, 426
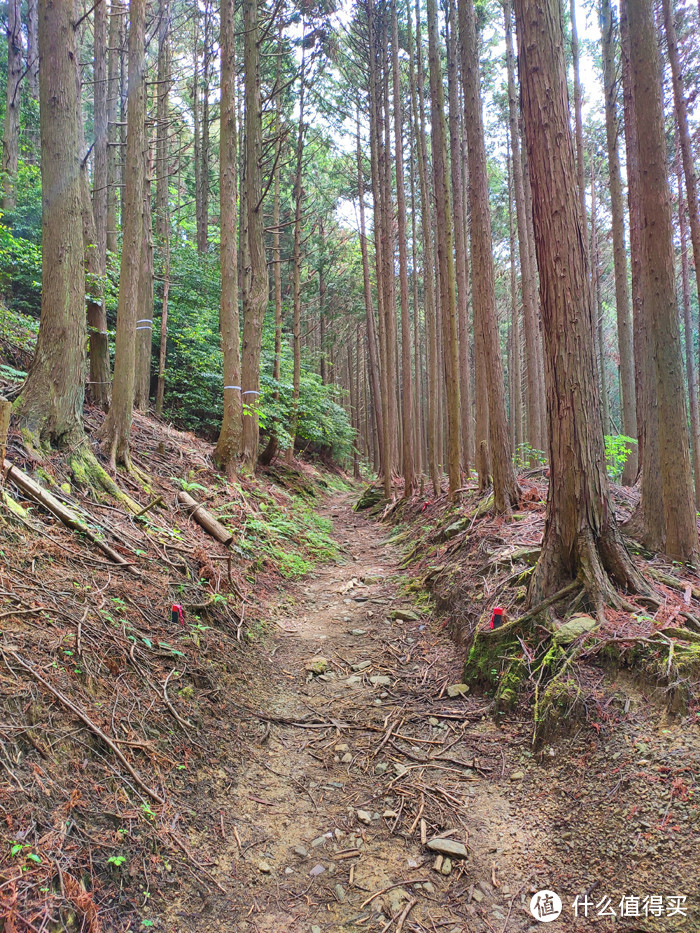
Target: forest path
323, 804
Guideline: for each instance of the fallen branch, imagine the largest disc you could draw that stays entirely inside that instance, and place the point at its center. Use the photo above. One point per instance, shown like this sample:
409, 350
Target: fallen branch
88, 722
672, 581
207, 521
62, 512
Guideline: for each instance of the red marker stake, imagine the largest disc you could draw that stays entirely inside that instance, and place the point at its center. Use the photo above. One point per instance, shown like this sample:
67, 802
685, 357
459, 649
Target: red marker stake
496, 617
176, 615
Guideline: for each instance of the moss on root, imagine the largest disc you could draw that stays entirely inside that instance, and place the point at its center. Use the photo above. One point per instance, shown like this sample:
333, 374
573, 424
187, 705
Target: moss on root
495, 664
561, 706
88, 472
371, 500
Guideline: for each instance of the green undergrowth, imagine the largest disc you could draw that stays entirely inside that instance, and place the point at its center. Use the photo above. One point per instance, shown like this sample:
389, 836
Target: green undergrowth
285, 532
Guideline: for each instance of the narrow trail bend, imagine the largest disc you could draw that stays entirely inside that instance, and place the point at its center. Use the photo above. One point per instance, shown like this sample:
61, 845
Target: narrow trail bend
331, 787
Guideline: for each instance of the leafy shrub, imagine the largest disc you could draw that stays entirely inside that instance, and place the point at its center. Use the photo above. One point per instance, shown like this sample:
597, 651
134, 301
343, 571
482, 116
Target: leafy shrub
617, 450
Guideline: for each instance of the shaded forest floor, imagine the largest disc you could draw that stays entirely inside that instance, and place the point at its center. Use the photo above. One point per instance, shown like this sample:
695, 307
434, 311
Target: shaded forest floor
304, 728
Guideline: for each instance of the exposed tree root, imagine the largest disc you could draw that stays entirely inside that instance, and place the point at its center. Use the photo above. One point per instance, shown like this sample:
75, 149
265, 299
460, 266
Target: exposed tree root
87, 471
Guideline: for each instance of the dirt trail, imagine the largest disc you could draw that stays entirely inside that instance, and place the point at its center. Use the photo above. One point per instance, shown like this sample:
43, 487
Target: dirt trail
330, 787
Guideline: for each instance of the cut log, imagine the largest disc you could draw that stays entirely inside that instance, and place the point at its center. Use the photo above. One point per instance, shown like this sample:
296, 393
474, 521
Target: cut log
5, 412
197, 511
69, 518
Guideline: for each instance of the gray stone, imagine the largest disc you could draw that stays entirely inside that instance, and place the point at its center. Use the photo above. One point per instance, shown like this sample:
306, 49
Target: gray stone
353, 679
301, 851
358, 631
446, 866
429, 887
381, 767
517, 776
361, 665
448, 847
315, 928
457, 690
342, 747
380, 680
317, 665
364, 817
573, 629
477, 895
264, 868
347, 758
317, 870
405, 615
340, 892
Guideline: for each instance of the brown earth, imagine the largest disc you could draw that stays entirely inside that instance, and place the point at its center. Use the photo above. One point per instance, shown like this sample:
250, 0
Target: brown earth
330, 783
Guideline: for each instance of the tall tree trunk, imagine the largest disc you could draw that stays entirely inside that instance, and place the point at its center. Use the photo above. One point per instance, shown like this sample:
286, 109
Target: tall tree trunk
372, 348
100, 182
270, 451
33, 48
628, 402
681, 108
117, 427
461, 254
448, 300
10, 137
690, 371
535, 415
113, 152
430, 306
647, 523
163, 186
505, 486
516, 398
257, 292
50, 406
144, 320
203, 201
598, 303
228, 447
578, 107
298, 195
581, 539
406, 376
379, 252
660, 300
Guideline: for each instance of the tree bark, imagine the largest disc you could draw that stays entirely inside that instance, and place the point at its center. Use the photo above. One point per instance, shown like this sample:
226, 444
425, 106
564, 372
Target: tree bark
228, 447
163, 186
460, 239
144, 319
690, 370
647, 523
430, 303
113, 61
406, 376
660, 300
117, 427
681, 108
578, 106
50, 406
448, 300
257, 292
372, 348
581, 537
628, 402
298, 195
535, 415
505, 486
33, 48
10, 137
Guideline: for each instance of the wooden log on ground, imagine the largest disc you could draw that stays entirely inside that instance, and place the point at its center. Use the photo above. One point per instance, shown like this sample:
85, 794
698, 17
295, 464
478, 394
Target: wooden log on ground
69, 518
197, 511
5, 412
